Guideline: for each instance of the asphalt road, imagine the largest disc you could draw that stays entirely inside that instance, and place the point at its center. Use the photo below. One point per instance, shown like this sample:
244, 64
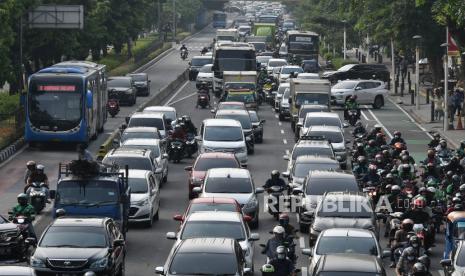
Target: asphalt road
148, 248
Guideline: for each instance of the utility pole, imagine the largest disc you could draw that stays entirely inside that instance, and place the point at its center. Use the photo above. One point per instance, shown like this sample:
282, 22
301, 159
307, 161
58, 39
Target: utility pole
158, 16
446, 82
345, 37
174, 20
393, 63
417, 39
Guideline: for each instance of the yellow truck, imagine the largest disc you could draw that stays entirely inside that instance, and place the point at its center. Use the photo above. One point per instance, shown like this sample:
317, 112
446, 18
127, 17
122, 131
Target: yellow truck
241, 86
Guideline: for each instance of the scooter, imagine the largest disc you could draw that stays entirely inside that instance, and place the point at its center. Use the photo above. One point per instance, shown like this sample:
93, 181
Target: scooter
184, 54
176, 152
22, 242
113, 107
38, 196
191, 145
352, 116
202, 100
274, 194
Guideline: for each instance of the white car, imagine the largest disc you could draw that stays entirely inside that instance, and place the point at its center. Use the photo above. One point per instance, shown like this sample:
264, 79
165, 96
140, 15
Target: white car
145, 196
320, 119
287, 70
218, 224
370, 92
224, 135
279, 94
149, 119
275, 62
205, 75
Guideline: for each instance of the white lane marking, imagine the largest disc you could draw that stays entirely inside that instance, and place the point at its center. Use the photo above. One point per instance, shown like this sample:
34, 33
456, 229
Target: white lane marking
176, 93
276, 116
379, 122
364, 116
285, 141
304, 271
412, 120
288, 152
282, 131
13, 156
280, 124
183, 98
302, 242
157, 63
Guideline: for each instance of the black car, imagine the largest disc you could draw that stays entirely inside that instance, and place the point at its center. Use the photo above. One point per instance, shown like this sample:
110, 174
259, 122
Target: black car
142, 83
310, 66
348, 265
359, 71
72, 246
205, 256
196, 63
122, 89
12, 243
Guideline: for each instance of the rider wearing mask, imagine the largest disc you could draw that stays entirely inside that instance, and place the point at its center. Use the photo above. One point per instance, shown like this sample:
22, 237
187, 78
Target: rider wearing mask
398, 148
379, 161
372, 176
359, 129
361, 168
189, 125
359, 151
38, 176
30, 168
455, 166
454, 185
273, 243
461, 150
406, 262
396, 199
23, 208
282, 265
275, 180
397, 138
405, 172
203, 89
284, 222
431, 173
442, 149
183, 47
409, 158
431, 158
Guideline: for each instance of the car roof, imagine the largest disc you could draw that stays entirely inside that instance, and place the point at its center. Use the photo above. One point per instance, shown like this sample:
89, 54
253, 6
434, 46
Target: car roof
132, 173
159, 108
206, 245
141, 129
232, 103
346, 196
313, 106
325, 128
323, 115
349, 263
215, 216
331, 175
229, 172
141, 142
11, 270
277, 59
347, 232
215, 155
232, 112
147, 114
137, 74
119, 78
201, 57
313, 143
128, 152
79, 221
219, 200
222, 122
291, 66
315, 159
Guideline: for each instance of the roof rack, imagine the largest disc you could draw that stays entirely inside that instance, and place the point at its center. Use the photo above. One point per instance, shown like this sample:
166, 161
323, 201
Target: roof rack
314, 137
84, 168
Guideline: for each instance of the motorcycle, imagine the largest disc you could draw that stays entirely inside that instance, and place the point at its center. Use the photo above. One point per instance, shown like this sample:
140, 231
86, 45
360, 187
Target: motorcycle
20, 244
289, 244
191, 145
184, 54
352, 116
113, 107
202, 100
274, 194
37, 194
395, 220
176, 152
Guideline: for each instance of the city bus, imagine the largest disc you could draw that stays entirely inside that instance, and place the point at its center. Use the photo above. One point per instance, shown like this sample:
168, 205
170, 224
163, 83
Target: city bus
302, 45
232, 56
66, 103
219, 19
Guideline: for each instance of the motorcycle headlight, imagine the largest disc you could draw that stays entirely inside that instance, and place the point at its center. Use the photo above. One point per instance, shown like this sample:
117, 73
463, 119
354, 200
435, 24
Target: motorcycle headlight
37, 262
251, 204
102, 263
142, 202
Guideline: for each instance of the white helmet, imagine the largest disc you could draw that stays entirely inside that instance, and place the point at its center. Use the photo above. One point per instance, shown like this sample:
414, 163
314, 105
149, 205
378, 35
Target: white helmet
278, 230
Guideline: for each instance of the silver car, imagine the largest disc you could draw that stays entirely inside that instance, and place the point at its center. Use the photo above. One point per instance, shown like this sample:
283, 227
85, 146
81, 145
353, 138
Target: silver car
320, 119
370, 92
335, 136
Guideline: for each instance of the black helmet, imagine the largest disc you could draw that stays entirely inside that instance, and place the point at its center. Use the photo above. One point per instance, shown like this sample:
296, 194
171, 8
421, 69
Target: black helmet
360, 146
361, 159
186, 118
443, 143
397, 134
274, 174
456, 200
419, 268
22, 199
425, 260
455, 178
436, 135
395, 188
405, 168
31, 165
449, 174
414, 241
462, 143
388, 188
372, 143
378, 127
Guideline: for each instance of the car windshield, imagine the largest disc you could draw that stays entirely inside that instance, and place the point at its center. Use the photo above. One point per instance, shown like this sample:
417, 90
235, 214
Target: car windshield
346, 245
87, 192
345, 85
346, 67
233, 185
74, 237
263, 59
303, 111
322, 121
146, 122
201, 61
298, 151
223, 133
243, 119
204, 164
239, 86
288, 70
201, 263
138, 185
301, 169
134, 163
139, 77
331, 136
312, 98
205, 207
119, 82
277, 63
325, 185
259, 46
332, 207
206, 68
139, 135
213, 229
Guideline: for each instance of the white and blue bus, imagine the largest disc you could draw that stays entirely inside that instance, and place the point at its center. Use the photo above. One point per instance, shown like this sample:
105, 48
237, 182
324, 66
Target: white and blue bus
66, 103
219, 19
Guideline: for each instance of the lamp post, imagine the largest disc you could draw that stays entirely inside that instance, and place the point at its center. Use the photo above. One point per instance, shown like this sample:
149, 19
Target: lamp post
417, 39
174, 20
446, 88
345, 38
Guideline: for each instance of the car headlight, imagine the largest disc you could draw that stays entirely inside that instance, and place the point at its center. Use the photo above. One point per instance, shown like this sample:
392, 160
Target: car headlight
37, 262
251, 204
102, 263
142, 202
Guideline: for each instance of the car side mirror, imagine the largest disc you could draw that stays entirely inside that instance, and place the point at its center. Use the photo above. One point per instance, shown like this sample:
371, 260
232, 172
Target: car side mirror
254, 237
118, 243
358, 88
307, 252
197, 190
127, 119
159, 270
198, 138
171, 236
259, 190
52, 194
247, 270
188, 168
299, 125
262, 122
124, 126
178, 217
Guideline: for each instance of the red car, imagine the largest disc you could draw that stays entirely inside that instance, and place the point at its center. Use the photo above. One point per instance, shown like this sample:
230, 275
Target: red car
206, 161
204, 204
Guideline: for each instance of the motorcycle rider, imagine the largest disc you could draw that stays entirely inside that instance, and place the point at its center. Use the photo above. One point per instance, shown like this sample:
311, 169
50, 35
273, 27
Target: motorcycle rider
283, 266
380, 139
361, 168
431, 158
204, 50
83, 153
406, 262
189, 127
419, 269
203, 90
400, 238
359, 151
461, 150
442, 149
430, 173
397, 138
273, 243
371, 149
30, 168
376, 129
405, 172
398, 148
372, 176
284, 222
183, 47
455, 166
38, 176
359, 129
435, 141
379, 161
396, 199
418, 213
275, 180
351, 104
408, 157
23, 208
454, 185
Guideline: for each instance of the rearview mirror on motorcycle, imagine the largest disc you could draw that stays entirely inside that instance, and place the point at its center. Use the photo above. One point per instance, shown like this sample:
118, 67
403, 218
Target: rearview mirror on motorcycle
197, 190
345, 125
286, 174
297, 191
31, 241
259, 190
307, 252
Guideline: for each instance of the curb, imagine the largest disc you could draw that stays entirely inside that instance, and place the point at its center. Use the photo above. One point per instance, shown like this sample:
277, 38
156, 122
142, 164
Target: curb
11, 149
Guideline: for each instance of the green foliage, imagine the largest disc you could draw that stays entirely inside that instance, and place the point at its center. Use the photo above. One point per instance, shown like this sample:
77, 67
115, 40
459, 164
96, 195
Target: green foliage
8, 103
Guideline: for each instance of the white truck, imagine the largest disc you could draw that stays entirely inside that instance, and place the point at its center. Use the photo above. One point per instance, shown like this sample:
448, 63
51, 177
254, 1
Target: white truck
227, 35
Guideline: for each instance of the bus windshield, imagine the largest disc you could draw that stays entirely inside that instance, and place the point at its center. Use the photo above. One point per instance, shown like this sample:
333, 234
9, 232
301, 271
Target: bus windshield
55, 106
235, 60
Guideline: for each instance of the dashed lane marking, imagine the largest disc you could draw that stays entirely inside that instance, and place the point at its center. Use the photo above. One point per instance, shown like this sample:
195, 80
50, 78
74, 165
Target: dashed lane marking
176, 93
280, 124
285, 141
276, 116
379, 122
302, 242
412, 120
282, 131
183, 98
364, 116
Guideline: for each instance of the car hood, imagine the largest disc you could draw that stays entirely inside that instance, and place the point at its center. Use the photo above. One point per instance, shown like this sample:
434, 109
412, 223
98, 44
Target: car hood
340, 90
240, 198
119, 88
338, 146
330, 73
7, 226
223, 144
322, 223
69, 253
138, 197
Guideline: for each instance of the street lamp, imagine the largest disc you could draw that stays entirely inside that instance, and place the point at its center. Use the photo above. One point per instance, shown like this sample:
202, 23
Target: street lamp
345, 36
174, 20
417, 39
446, 88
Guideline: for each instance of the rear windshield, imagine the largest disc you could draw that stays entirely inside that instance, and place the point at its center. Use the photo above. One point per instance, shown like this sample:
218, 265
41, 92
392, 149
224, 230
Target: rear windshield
288, 70
298, 151
277, 63
346, 245
321, 186
139, 135
226, 134
322, 121
201, 61
332, 137
126, 82
147, 122
301, 169
233, 185
138, 185
243, 119
205, 207
345, 209
213, 229
196, 263
139, 77
204, 164
134, 163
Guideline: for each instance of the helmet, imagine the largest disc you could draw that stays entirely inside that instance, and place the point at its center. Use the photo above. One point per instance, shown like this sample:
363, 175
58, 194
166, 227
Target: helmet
372, 167
407, 224
274, 174
358, 124
183, 45
379, 158
443, 143
281, 252
359, 146
89, 273
353, 97
419, 267
283, 219
379, 136
456, 200
385, 153
449, 174
397, 134
410, 251
378, 127
22, 198
422, 190
31, 165
405, 168
425, 260
414, 241
462, 188
186, 118
40, 168
388, 187
436, 135
455, 178
361, 159
431, 153
177, 126
458, 207
431, 190
395, 188
278, 230
268, 268
419, 203
404, 159
372, 143
405, 152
